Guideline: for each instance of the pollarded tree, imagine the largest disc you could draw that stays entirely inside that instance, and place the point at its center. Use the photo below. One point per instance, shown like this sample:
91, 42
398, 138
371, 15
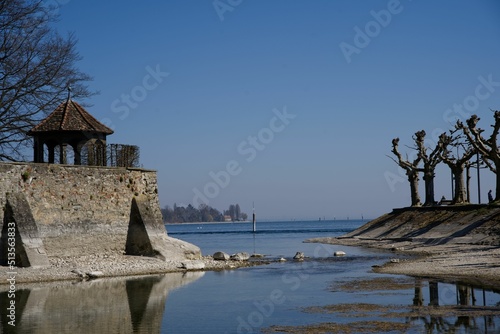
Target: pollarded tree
487, 148
430, 161
36, 67
457, 163
411, 169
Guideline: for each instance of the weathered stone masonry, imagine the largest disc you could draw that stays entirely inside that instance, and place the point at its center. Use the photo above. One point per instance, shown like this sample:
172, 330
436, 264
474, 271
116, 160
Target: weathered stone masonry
82, 199
83, 209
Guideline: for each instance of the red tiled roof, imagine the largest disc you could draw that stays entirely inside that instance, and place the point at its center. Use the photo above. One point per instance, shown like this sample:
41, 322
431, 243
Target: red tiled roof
70, 116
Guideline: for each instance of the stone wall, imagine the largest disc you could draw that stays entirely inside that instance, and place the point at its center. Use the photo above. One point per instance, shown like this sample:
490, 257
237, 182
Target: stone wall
86, 210
81, 199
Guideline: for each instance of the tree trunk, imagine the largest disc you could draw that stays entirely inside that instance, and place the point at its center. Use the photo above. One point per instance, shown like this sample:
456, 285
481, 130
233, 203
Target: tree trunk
460, 195
413, 179
497, 191
467, 180
433, 294
429, 189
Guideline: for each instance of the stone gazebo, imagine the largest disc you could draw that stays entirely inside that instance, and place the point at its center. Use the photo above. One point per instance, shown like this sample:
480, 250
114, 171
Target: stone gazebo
70, 124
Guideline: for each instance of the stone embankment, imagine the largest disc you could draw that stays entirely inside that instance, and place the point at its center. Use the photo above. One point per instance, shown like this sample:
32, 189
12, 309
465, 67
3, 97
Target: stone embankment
58, 220
449, 242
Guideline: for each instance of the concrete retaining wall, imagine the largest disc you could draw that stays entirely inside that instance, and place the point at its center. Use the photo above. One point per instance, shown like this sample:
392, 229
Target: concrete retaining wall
467, 224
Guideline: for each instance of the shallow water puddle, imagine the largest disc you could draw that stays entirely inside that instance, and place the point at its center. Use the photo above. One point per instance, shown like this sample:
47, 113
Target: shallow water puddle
433, 307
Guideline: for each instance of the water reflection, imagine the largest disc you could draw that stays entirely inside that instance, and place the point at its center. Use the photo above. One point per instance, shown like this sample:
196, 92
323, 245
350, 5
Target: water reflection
114, 305
449, 312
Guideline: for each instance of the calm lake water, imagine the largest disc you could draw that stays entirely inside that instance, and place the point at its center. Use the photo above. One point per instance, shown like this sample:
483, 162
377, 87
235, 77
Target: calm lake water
252, 299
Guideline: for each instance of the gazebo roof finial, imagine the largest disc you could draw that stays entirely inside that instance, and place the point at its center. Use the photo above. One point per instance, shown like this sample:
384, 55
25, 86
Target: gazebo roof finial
69, 93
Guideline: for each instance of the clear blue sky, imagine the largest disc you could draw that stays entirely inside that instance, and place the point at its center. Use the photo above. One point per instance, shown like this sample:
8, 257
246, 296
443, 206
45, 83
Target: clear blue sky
352, 74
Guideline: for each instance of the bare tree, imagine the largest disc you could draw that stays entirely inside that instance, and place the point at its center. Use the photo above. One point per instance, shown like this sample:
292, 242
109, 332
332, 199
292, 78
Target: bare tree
457, 163
36, 67
430, 161
487, 148
411, 169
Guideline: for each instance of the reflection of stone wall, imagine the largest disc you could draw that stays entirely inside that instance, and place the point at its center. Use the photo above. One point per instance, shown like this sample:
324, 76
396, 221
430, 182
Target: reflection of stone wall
117, 305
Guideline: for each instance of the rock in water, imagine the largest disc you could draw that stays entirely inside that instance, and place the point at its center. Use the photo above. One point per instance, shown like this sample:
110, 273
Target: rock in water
193, 265
95, 274
80, 273
339, 253
221, 256
282, 259
242, 256
299, 256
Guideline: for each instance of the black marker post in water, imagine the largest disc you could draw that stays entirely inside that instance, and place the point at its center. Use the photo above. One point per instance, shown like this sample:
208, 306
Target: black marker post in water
253, 218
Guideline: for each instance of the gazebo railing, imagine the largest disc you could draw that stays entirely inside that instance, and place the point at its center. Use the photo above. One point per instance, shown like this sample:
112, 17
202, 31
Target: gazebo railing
112, 155
123, 155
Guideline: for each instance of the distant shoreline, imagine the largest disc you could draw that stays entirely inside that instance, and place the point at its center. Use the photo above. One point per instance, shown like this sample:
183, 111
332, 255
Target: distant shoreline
214, 223
274, 221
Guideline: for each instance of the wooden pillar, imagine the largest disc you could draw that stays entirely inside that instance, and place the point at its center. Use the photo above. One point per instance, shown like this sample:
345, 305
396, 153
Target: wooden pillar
78, 154
104, 153
51, 153
37, 150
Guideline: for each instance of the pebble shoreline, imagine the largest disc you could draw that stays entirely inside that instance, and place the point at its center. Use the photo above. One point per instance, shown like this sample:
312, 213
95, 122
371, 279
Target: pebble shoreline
114, 265
478, 264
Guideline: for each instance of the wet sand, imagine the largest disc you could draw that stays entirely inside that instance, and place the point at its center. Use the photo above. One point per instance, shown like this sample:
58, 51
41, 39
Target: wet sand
450, 244
477, 264
359, 317
392, 318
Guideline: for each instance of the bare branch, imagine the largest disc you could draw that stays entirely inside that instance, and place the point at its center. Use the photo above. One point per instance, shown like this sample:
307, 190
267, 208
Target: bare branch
487, 148
36, 66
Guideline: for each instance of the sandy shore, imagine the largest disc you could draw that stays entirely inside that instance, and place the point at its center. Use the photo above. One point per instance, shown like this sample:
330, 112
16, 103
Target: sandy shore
479, 264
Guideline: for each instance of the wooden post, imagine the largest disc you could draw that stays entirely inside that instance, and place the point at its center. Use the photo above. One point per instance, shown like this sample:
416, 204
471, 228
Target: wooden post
253, 220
